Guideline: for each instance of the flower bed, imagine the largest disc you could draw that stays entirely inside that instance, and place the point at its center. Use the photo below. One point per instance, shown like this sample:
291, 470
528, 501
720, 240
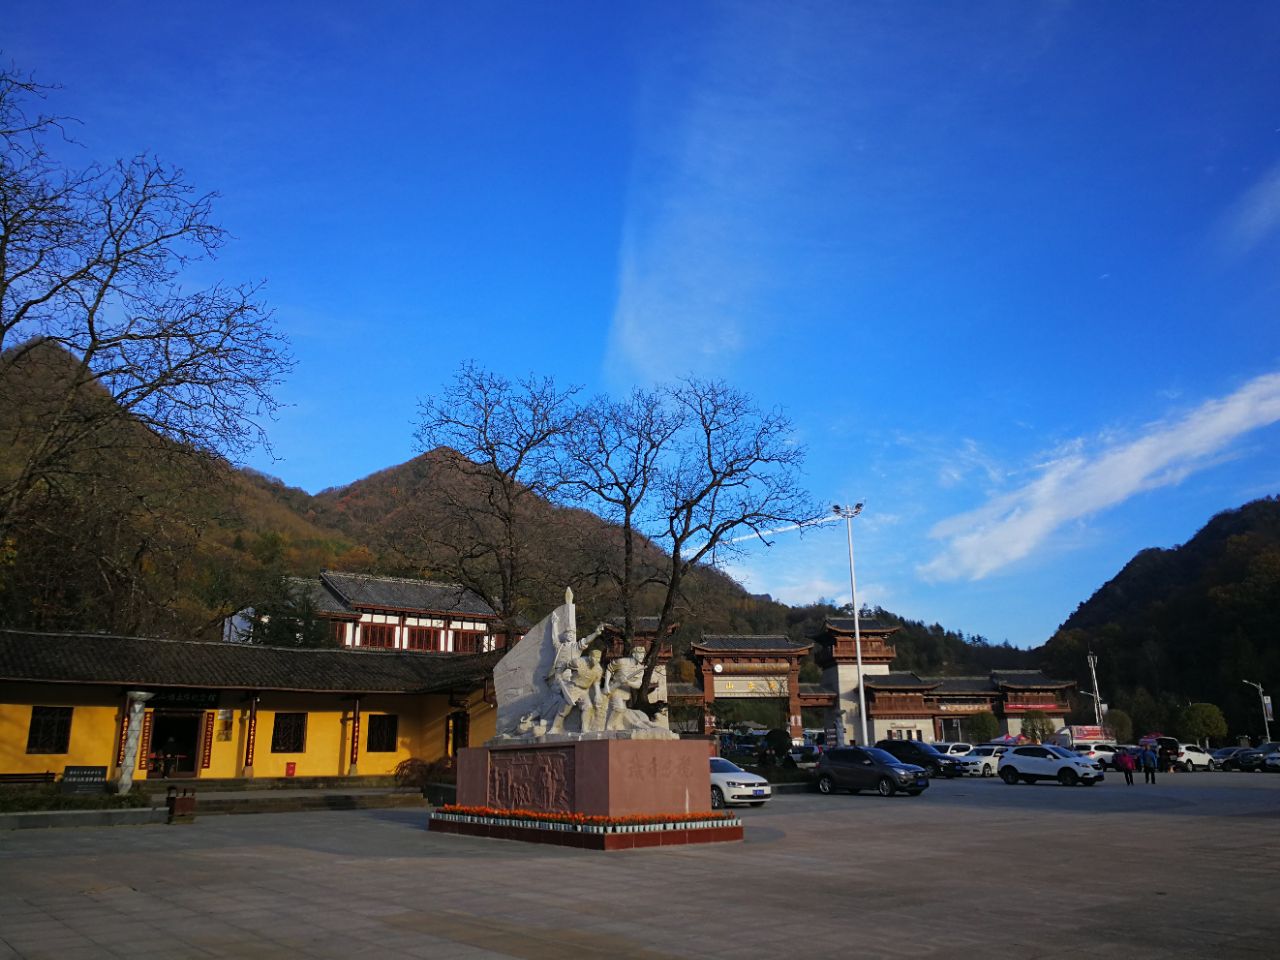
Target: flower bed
587, 831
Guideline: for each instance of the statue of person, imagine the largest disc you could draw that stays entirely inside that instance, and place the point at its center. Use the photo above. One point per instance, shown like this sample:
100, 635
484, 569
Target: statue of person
582, 692
626, 674
559, 679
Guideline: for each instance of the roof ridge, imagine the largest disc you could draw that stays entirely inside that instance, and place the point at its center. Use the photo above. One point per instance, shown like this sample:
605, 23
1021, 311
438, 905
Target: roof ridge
232, 645
384, 577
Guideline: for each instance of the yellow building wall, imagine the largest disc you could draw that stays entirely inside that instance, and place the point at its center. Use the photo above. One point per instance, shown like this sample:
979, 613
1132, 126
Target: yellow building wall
95, 726
99, 711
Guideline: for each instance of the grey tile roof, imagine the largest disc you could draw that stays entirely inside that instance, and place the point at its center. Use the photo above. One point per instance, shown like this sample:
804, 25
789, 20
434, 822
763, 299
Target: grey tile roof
642, 625
1028, 679
321, 598
401, 593
683, 690
815, 690
868, 625
899, 681
966, 685
735, 642
144, 662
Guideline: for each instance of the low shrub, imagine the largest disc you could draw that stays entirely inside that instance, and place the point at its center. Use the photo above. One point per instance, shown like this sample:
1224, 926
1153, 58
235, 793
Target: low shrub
416, 772
49, 798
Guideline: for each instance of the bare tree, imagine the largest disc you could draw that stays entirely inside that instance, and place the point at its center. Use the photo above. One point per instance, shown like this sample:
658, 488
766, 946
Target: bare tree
495, 443
686, 472
94, 308
612, 462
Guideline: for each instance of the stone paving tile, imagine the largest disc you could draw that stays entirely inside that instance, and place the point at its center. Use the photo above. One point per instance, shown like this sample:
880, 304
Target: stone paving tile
980, 856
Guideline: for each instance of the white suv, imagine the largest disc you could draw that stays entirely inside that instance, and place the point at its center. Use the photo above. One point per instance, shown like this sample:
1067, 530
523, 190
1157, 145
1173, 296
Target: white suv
982, 760
1104, 754
952, 748
1191, 758
1048, 762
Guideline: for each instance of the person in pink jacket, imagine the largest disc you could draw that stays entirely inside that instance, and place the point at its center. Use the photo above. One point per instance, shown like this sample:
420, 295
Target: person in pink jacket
1124, 760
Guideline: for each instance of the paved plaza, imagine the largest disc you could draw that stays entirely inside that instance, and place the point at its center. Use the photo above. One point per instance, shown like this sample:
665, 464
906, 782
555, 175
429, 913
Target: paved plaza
1189, 867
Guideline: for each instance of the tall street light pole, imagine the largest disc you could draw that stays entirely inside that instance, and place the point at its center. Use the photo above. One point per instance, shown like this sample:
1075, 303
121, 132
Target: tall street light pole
848, 513
1266, 724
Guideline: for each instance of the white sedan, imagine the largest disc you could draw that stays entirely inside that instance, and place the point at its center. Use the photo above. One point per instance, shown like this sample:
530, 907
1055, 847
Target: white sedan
981, 761
731, 784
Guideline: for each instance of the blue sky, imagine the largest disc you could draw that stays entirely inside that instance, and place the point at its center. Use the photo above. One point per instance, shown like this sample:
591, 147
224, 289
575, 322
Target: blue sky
1012, 268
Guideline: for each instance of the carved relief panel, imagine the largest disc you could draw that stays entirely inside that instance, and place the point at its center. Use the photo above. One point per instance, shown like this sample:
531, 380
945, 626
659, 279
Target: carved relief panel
532, 780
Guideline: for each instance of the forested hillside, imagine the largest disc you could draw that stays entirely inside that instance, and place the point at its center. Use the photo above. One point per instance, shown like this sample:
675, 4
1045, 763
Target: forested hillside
1186, 624
137, 535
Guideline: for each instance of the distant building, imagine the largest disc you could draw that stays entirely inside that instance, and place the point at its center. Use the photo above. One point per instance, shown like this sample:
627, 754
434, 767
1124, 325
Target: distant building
905, 706
390, 613
900, 705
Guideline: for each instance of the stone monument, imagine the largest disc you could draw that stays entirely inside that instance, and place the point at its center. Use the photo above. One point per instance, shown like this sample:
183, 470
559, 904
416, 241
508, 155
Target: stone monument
569, 739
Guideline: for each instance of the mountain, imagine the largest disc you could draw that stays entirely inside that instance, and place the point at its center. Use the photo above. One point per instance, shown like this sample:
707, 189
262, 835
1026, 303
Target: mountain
1185, 624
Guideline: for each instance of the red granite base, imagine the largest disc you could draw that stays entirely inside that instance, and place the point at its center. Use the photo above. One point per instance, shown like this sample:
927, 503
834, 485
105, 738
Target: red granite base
676, 836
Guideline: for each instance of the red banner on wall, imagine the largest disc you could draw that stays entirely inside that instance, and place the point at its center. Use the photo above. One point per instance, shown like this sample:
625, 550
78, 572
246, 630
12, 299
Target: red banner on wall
144, 742
124, 735
206, 747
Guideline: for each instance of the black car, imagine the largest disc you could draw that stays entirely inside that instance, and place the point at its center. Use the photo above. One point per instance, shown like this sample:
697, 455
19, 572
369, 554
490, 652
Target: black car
866, 768
922, 755
1247, 760
1224, 757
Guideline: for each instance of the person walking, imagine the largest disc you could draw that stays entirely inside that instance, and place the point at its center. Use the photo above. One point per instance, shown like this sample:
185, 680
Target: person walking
1124, 760
1149, 764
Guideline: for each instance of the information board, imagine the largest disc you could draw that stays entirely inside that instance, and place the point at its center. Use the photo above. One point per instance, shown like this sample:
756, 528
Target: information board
84, 780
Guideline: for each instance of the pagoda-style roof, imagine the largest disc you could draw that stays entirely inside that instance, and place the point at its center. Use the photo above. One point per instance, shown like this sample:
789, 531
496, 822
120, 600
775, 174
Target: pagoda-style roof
404, 595
147, 662
750, 643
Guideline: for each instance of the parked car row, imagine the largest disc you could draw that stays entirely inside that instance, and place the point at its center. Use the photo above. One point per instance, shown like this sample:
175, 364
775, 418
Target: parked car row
1265, 756
907, 766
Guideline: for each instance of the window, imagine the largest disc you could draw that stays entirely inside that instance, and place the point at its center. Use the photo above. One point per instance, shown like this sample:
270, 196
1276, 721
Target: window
50, 730
339, 628
377, 634
457, 731
289, 735
422, 638
382, 733
468, 641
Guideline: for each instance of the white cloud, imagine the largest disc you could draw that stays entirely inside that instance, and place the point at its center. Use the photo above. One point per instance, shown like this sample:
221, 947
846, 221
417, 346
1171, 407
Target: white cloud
718, 190
1077, 484
1255, 216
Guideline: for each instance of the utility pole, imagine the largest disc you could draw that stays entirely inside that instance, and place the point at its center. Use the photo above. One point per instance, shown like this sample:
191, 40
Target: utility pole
1097, 701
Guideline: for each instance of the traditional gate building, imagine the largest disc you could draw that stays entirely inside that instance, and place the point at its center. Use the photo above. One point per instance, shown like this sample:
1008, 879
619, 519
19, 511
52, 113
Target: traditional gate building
900, 705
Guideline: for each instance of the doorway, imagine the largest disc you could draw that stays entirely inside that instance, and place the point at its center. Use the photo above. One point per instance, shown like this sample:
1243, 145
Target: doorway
175, 744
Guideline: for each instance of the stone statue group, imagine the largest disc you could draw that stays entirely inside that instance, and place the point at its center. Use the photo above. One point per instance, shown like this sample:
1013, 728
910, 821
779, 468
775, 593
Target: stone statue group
578, 683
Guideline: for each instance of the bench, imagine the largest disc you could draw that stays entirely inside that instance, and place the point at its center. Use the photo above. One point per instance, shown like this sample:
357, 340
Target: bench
46, 777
